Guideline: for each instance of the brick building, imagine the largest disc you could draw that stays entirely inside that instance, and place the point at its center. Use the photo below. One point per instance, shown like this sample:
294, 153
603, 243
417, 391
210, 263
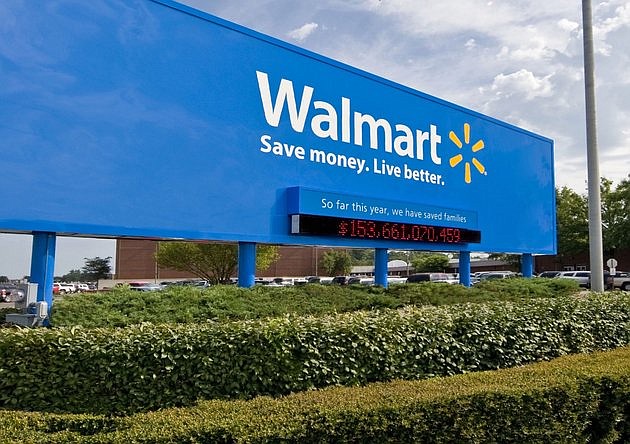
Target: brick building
580, 261
135, 259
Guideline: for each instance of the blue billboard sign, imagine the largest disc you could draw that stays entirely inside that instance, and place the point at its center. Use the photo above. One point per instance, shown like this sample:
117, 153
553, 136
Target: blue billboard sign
152, 119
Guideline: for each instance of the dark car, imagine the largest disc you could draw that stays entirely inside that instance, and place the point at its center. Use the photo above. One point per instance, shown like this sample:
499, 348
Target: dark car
340, 280
143, 286
549, 274
428, 277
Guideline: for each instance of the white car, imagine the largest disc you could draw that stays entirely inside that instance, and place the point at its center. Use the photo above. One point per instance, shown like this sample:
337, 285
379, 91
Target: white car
583, 278
63, 288
82, 287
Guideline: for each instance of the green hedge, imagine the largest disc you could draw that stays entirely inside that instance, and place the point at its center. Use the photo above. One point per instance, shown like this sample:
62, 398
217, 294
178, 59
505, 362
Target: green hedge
146, 367
121, 307
576, 399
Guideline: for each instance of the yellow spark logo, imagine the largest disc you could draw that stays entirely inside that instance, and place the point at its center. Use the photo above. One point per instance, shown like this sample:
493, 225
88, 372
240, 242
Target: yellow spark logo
455, 160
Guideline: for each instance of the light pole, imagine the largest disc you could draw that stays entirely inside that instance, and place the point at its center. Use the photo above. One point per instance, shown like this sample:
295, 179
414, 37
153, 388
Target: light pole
594, 195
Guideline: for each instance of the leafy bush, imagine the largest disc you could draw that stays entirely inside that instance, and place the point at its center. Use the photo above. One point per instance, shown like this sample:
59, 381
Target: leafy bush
581, 398
122, 307
145, 366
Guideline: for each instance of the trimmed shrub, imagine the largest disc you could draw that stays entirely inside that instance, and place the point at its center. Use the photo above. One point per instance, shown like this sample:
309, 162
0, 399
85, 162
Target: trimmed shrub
121, 307
147, 367
581, 398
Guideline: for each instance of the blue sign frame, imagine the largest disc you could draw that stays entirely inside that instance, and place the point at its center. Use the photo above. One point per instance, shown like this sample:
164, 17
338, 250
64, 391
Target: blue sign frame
152, 119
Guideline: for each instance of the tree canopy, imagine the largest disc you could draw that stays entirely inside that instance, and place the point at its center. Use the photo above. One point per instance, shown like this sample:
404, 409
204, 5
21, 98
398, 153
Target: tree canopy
96, 268
424, 262
572, 218
337, 262
213, 262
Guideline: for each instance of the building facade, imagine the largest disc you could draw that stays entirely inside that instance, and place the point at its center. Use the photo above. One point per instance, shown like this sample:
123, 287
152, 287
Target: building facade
135, 259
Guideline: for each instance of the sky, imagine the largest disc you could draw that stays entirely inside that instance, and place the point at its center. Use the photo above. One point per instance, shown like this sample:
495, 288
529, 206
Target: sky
518, 61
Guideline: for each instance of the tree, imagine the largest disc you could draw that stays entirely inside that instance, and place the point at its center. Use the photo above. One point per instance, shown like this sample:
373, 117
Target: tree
616, 214
362, 256
4, 279
572, 219
571, 222
337, 263
424, 262
213, 262
513, 260
75, 276
96, 268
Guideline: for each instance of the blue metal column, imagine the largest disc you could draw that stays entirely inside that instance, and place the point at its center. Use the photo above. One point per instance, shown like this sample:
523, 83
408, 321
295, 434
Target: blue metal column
527, 265
246, 264
464, 268
380, 267
43, 265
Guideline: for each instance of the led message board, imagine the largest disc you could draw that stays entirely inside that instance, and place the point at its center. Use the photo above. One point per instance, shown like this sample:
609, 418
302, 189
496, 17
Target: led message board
152, 119
378, 230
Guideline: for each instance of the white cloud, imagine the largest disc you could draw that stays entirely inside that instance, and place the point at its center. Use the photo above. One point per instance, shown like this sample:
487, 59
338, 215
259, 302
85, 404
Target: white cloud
608, 25
470, 44
522, 82
301, 33
568, 25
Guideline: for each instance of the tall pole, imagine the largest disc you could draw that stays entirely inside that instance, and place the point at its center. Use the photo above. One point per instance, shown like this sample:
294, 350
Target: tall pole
592, 156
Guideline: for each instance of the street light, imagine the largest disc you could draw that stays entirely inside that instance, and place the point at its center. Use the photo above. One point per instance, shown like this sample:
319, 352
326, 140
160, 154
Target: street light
594, 195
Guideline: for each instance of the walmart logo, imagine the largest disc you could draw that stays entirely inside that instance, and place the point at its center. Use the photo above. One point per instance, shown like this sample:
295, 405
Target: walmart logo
458, 158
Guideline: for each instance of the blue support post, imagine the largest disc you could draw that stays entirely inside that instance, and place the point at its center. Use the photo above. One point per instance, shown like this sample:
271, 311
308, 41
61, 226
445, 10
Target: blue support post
464, 268
246, 264
380, 267
43, 265
527, 265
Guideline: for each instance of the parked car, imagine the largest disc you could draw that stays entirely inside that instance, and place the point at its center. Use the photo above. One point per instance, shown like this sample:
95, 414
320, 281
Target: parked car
340, 280
186, 283
82, 287
63, 288
549, 274
144, 286
318, 280
361, 280
429, 277
621, 280
496, 275
282, 282
583, 278
391, 280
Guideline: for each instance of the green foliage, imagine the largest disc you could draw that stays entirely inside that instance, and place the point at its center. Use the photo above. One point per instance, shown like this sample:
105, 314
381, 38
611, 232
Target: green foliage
514, 260
581, 398
213, 262
121, 307
426, 262
572, 222
96, 268
146, 366
616, 214
337, 262
572, 218
362, 256
72, 276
